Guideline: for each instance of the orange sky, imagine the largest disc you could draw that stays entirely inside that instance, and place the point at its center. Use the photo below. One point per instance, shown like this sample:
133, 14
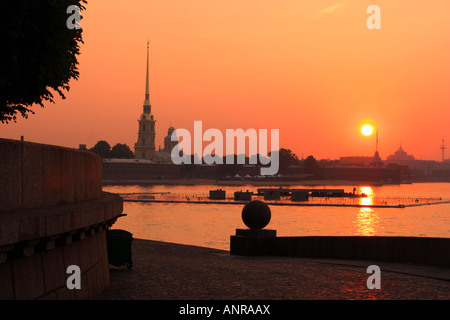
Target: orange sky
311, 69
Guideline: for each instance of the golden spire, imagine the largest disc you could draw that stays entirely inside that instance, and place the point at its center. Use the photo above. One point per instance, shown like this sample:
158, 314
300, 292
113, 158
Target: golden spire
147, 106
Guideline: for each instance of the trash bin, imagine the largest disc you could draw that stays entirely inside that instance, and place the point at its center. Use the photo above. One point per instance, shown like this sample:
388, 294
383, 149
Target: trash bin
119, 247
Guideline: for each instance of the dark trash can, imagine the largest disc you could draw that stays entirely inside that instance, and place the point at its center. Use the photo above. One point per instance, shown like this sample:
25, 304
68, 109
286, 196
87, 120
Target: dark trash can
119, 247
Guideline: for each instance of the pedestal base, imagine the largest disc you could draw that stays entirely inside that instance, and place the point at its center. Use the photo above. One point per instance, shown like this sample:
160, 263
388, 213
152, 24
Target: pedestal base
251, 242
256, 233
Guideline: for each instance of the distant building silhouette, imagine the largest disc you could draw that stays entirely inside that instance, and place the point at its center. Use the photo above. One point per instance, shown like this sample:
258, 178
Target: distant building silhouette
168, 143
363, 161
376, 160
400, 155
357, 161
164, 155
418, 167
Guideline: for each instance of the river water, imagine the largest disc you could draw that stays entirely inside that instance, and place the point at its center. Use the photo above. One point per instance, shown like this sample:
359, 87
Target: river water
211, 225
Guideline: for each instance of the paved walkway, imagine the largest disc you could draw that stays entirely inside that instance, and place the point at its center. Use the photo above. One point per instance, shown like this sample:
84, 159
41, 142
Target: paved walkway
166, 271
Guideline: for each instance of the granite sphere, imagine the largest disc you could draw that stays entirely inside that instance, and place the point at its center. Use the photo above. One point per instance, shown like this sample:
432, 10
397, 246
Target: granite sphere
256, 214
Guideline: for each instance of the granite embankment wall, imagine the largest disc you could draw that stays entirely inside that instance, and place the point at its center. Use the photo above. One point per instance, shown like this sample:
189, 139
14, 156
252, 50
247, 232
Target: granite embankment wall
416, 250
53, 214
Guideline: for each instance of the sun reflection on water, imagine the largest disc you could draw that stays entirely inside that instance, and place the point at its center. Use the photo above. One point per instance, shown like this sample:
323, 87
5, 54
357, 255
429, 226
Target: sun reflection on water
368, 200
367, 221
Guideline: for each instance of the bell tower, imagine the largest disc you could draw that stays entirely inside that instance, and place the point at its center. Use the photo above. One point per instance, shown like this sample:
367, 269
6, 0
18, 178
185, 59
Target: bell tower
144, 148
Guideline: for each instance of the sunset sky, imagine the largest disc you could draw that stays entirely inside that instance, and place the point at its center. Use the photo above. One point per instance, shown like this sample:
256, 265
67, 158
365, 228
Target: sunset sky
311, 69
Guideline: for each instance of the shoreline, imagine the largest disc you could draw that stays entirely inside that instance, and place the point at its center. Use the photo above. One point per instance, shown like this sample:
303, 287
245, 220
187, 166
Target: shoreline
292, 204
282, 204
313, 183
240, 182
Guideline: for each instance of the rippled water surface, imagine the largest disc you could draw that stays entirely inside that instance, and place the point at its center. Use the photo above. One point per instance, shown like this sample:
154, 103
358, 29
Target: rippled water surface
211, 225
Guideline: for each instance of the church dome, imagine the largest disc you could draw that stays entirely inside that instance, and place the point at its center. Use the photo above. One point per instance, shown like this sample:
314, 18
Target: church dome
169, 134
401, 154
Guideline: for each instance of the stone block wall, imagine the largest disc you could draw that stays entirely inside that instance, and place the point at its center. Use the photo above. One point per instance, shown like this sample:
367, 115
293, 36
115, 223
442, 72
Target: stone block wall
416, 250
53, 214
43, 275
34, 175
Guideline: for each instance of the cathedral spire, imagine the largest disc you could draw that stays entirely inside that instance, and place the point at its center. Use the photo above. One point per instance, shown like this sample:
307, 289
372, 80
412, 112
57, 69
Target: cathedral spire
147, 105
376, 147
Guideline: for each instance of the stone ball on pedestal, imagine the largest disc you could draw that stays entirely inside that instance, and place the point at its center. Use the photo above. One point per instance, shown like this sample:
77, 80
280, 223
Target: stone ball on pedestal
256, 214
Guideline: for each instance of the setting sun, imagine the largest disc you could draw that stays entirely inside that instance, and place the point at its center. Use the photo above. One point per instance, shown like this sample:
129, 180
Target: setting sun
367, 130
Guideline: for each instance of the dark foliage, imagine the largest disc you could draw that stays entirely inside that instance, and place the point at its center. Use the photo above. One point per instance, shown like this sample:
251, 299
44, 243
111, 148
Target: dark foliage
39, 54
